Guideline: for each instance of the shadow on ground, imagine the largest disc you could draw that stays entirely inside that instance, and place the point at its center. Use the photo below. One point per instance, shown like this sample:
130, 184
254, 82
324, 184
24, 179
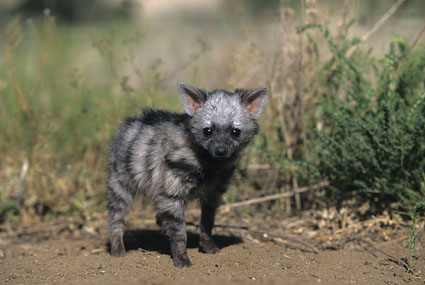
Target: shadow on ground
154, 240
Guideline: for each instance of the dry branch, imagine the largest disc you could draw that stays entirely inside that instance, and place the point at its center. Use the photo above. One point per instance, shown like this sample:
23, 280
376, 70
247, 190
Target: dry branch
228, 207
280, 238
343, 23
300, 96
390, 257
378, 24
225, 208
281, 100
276, 237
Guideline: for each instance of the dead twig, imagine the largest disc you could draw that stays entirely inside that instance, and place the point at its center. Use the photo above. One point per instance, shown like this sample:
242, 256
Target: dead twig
281, 100
34, 230
368, 250
299, 96
378, 24
220, 226
343, 23
257, 166
390, 257
274, 236
227, 207
281, 238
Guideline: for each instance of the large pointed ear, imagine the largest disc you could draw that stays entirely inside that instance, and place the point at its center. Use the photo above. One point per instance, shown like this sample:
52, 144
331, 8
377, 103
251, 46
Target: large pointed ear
192, 98
253, 100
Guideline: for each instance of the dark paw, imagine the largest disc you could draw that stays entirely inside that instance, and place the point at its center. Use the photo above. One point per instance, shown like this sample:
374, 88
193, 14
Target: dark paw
117, 244
208, 247
118, 250
181, 262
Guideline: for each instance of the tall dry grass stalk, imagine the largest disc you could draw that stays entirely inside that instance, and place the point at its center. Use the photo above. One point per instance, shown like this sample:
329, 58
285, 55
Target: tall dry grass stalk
290, 97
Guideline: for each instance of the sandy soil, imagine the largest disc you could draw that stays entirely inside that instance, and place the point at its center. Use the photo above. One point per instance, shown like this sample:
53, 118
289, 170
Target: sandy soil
84, 258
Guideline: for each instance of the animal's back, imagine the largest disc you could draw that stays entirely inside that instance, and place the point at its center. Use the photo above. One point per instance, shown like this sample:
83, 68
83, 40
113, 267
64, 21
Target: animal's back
144, 144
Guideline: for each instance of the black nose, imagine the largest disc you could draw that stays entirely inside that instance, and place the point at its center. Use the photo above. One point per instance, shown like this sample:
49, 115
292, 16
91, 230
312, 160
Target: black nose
221, 151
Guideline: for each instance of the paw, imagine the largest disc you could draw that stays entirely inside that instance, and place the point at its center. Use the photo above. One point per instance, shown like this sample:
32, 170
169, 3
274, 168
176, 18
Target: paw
182, 261
118, 250
208, 247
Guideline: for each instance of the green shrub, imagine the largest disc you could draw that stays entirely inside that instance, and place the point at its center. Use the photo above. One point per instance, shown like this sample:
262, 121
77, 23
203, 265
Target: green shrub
373, 144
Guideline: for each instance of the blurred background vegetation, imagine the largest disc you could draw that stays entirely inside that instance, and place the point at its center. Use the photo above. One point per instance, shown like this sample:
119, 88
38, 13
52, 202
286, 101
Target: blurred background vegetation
346, 101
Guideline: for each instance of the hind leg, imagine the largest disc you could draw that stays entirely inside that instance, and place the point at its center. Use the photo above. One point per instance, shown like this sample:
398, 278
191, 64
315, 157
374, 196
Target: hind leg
120, 204
171, 219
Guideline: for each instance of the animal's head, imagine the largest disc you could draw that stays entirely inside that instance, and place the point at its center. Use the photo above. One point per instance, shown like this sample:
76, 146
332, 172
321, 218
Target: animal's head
223, 122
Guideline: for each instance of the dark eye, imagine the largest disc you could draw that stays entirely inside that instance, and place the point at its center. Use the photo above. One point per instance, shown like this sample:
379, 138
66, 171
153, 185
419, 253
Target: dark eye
207, 132
236, 133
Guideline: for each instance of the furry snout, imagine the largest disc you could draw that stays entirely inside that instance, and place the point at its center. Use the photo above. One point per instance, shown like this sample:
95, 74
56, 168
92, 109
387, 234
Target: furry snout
220, 150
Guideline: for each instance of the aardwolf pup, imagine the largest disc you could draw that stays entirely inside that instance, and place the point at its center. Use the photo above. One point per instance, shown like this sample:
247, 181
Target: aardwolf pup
172, 158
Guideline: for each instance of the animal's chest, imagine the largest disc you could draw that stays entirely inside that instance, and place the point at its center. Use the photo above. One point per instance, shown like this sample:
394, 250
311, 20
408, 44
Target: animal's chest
209, 181
193, 178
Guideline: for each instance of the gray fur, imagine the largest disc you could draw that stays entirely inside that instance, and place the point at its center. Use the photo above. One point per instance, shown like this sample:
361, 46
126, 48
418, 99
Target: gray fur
172, 158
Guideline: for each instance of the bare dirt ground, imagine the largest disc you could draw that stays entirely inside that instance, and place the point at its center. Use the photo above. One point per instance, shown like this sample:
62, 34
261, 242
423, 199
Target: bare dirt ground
253, 249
